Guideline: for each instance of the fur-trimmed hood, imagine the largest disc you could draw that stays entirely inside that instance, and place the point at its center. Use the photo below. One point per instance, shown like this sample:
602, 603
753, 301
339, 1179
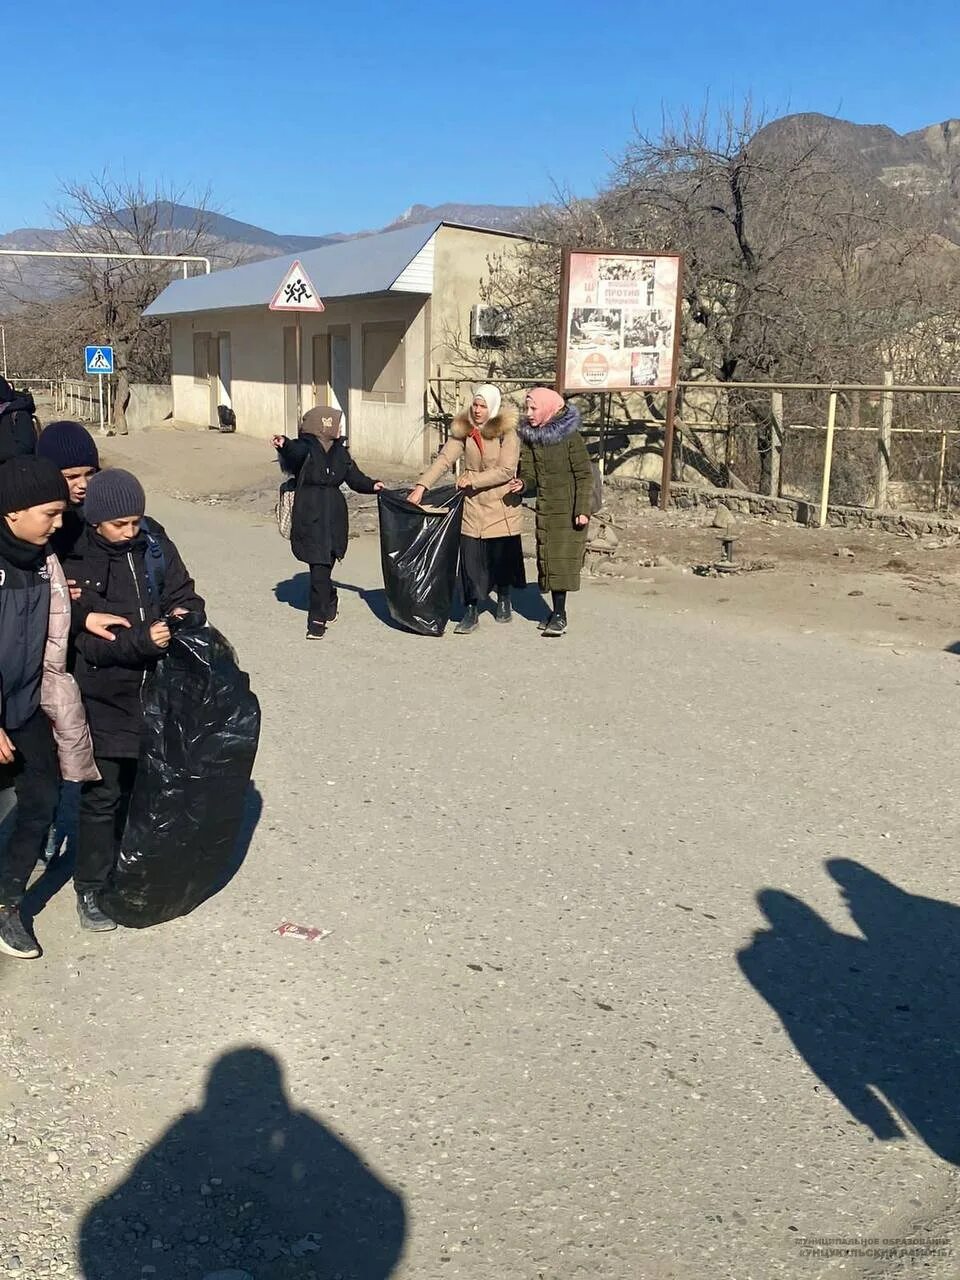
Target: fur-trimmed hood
564, 424
506, 420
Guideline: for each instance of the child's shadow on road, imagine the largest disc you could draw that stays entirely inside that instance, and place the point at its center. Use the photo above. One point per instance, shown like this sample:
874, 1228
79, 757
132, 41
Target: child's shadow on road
295, 592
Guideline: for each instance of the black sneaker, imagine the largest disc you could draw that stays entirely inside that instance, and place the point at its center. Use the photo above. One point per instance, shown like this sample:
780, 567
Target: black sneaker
469, 622
556, 625
316, 630
91, 917
15, 938
504, 609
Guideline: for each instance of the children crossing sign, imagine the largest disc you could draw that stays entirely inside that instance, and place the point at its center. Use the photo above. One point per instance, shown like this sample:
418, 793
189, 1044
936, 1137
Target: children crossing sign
98, 359
296, 292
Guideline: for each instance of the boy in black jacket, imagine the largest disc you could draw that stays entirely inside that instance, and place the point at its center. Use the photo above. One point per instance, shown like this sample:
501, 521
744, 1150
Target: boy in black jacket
124, 564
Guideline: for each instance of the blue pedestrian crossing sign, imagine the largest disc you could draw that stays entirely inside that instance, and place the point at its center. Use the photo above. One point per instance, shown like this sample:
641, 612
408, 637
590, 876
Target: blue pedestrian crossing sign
98, 359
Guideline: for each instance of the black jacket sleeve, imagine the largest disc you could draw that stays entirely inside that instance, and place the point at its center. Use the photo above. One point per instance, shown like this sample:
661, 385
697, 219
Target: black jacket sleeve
132, 647
356, 479
179, 589
293, 455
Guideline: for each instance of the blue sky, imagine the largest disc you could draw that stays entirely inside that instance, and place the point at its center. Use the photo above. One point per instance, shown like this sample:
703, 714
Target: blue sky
311, 117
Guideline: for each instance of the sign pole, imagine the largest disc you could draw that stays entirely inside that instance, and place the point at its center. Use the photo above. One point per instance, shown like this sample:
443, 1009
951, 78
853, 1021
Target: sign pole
299, 371
100, 389
109, 418
668, 433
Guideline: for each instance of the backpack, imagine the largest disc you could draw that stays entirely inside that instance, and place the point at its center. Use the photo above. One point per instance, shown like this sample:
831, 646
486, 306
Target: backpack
154, 561
226, 418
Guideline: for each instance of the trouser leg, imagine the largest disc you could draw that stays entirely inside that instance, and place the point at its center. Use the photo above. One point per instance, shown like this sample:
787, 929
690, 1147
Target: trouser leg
36, 779
103, 815
321, 594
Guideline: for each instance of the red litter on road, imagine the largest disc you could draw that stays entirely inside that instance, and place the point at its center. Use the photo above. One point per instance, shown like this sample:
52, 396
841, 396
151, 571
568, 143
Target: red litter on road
301, 932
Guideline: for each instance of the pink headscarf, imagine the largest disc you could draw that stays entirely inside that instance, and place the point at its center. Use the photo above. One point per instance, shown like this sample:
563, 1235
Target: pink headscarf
546, 404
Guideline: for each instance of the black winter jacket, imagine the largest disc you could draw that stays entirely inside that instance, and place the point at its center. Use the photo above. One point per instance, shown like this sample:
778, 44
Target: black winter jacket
18, 436
111, 673
320, 528
24, 619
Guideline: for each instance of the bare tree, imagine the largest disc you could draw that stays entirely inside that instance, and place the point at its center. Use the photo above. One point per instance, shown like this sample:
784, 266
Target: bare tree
124, 217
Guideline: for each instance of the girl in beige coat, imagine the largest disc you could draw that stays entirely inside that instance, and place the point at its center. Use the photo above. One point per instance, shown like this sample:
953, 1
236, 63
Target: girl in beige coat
491, 557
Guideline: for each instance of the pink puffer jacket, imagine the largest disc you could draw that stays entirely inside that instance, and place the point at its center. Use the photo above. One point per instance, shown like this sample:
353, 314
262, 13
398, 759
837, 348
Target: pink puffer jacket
59, 695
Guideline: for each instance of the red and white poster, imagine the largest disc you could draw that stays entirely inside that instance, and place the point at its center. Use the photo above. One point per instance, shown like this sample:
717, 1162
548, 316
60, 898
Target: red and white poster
619, 321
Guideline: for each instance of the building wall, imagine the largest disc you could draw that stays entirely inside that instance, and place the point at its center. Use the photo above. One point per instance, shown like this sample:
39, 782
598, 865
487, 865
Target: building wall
386, 432
461, 264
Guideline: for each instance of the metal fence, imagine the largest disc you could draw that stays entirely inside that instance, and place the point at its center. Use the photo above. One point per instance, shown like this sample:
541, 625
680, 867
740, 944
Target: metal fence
869, 445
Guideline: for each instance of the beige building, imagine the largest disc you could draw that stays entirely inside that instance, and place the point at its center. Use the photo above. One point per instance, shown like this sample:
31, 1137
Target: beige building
396, 307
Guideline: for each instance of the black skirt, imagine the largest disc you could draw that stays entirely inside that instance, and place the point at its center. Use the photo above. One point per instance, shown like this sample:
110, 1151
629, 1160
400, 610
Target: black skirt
490, 564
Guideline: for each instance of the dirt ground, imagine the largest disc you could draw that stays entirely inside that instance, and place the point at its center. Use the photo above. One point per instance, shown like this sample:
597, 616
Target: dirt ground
869, 587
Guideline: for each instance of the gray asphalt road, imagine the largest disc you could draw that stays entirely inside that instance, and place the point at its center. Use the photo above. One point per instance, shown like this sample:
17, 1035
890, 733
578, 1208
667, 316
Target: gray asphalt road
526, 1048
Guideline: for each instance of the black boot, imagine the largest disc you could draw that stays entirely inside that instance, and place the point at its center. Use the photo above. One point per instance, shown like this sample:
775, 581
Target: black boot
504, 607
91, 917
469, 622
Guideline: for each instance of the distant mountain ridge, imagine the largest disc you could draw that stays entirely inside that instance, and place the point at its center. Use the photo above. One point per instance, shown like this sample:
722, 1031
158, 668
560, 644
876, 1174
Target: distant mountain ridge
229, 240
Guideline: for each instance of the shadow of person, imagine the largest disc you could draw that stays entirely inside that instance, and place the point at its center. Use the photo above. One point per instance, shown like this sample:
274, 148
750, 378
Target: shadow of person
294, 591
246, 1184
877, 1017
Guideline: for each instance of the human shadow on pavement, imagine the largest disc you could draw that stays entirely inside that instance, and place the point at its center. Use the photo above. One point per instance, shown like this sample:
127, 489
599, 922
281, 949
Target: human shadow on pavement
248, 1184
876, 1017
59, 871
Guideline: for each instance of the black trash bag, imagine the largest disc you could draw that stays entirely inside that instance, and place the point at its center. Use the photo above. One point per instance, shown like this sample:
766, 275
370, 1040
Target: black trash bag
201, 728
226, 419
418, 551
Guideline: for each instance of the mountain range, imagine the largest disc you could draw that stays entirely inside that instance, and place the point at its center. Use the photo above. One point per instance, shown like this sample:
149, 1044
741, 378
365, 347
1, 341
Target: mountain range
228, 240
924, 163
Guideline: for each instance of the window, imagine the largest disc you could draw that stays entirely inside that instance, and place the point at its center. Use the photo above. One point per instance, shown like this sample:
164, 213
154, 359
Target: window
384, 372
201, 358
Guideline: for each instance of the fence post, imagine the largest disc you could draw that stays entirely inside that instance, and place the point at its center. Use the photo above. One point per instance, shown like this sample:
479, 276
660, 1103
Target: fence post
886, 434
776, 442
828, 459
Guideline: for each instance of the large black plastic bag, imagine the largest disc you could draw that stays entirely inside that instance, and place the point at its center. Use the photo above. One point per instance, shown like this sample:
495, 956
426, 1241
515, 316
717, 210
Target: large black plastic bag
201, 727
418, 551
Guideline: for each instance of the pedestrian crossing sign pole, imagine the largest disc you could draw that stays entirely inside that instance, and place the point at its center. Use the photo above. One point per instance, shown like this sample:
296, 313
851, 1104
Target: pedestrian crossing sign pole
99, 361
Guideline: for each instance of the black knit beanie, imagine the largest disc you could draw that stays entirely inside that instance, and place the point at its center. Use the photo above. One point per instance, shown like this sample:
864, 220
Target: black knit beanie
30, 482
113, 494
68, 444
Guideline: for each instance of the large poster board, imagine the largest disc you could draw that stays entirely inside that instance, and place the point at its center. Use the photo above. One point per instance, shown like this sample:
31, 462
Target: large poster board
619, 320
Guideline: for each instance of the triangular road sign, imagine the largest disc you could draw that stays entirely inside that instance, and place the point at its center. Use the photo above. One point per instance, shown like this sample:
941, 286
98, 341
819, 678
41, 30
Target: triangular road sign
99, 363
296, 292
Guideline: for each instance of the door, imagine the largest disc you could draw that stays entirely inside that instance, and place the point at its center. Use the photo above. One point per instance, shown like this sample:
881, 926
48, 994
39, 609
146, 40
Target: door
290, 423
225, 369
331, 370
213, 381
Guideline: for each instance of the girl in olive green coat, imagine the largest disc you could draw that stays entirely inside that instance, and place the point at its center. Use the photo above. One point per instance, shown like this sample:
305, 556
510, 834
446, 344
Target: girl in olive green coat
555, 462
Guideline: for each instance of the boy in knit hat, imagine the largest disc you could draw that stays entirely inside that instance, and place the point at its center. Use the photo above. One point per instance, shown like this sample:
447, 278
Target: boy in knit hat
71, 447
126, 564
43, 733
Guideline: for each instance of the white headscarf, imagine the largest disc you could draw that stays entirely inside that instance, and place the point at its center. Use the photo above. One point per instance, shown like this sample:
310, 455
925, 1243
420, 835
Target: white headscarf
490, 396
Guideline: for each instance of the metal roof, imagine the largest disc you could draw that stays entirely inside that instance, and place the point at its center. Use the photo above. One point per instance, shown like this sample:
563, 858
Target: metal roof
369, 264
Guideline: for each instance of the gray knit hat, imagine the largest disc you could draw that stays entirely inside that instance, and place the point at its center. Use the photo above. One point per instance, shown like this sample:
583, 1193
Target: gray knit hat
113, 494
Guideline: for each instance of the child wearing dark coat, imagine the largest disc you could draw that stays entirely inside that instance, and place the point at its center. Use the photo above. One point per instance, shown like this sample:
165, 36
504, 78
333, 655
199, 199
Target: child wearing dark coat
321, 462
126, 565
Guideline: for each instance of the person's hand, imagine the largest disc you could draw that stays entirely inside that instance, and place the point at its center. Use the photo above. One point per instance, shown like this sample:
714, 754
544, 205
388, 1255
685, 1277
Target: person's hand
75, 591
378, 485
98, 623
179, 613
160, 634
464, 482
7, 749
278, 441
581, 522
416, 494
516, 485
